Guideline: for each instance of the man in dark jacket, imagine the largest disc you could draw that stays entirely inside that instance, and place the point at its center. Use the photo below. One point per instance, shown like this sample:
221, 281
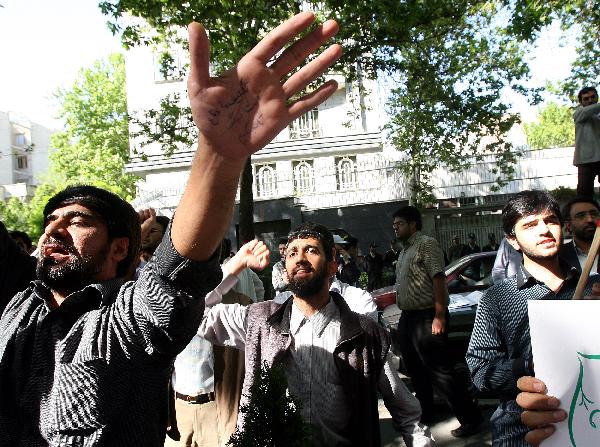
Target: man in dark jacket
581, 215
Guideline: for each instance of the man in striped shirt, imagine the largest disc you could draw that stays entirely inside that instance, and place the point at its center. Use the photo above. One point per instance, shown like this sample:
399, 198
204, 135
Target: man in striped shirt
499, 351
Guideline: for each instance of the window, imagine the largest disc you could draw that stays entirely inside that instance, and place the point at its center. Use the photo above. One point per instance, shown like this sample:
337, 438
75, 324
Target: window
304, 180
266, 181
346, 173
20, 139
22, 162
306, 126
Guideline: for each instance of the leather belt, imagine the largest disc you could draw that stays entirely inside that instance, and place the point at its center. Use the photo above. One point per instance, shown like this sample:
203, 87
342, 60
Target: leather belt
199, 399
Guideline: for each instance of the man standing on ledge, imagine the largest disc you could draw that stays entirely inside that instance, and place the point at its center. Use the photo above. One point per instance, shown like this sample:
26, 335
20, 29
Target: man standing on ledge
423, 297
587, 140
85, 357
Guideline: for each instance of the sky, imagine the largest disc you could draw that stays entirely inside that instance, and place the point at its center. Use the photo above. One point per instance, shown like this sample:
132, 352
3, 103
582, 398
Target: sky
43, 45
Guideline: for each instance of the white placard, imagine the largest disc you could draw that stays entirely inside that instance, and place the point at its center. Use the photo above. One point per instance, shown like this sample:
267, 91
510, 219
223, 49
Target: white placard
565, 339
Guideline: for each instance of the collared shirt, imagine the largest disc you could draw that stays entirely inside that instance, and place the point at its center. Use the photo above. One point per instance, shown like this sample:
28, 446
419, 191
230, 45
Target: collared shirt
313, 376
194, 372
94, 371
499, 351
419, 261
226, 325
587, 134
279, 277
582, 256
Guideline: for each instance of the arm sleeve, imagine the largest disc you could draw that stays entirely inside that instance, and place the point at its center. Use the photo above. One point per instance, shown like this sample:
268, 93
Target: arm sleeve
403, 407
216, 295
433, 257
225, 325
161, 311
278, 278
585, 113
487, 355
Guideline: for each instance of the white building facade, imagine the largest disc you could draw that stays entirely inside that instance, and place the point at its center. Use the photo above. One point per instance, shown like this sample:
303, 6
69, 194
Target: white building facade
332, 166
24, 150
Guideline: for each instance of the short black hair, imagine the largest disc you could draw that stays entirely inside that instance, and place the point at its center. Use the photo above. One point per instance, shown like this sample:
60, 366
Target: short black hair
579, 199
527, 203
16, 234
163, 221
410, 214
282, 240
316, 231
120, 217
585, 90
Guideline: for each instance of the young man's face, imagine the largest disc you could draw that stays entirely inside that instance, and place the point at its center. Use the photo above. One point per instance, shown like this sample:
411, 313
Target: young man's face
75, 249
154, 237
538, 236
582, 221
307, 267
589, 98
282, 251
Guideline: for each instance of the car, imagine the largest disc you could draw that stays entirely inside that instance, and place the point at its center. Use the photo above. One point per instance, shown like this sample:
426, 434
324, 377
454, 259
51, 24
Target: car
467, 279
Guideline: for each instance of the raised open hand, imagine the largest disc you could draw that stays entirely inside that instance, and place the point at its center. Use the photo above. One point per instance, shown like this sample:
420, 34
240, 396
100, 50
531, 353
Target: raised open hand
247, 106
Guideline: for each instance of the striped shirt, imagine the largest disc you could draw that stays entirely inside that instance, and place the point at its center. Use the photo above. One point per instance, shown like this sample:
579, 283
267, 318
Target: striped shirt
94, 371
499, 351
419, 261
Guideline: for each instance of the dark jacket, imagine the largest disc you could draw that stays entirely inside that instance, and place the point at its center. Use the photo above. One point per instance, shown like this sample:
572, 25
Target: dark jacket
568, 255
21, 272
359, 357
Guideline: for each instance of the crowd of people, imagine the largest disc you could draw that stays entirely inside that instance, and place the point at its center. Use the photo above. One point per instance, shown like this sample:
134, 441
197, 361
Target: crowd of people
126, 328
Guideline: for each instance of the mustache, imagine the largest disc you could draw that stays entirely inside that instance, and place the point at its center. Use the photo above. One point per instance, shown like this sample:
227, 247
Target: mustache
302, 265
63, 245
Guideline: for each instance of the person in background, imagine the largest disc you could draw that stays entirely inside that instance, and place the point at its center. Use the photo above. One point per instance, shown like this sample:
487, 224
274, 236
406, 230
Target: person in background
22, 240
422, 295
348, 271
581, 215
455, 251
278, 275
154, 235
587, 140
249, 283
492, 244
374, 268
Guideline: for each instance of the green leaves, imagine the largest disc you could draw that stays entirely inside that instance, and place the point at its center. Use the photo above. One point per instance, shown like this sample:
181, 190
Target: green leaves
555, 128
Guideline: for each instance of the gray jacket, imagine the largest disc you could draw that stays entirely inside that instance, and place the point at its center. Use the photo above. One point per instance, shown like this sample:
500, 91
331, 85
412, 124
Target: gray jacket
587, 134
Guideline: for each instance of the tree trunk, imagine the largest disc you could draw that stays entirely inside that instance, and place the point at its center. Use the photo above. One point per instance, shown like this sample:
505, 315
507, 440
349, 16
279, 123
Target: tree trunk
246, 208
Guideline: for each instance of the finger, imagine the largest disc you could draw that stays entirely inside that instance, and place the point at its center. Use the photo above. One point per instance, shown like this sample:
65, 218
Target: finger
537, 401
300, 50
280, 36
249, 247
199, 58
531, 385
538, 419
535, 437
312, 70
312, 100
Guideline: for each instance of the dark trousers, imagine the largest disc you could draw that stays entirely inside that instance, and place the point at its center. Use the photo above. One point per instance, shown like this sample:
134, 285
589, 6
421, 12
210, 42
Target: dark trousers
428, 365
586, 174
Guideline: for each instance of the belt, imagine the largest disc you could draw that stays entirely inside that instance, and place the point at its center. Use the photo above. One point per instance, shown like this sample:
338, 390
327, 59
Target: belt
199, 399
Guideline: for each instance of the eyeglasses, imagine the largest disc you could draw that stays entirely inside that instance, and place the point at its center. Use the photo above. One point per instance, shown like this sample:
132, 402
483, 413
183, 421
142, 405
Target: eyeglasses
398, 223
594, 214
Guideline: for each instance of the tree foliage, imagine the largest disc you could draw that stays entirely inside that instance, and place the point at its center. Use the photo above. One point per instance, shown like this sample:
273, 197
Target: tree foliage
95, 145
452, 57
93, 148
272, 417
554, 128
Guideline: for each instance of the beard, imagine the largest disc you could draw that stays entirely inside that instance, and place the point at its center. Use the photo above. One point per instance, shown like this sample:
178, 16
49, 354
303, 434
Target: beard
71, 275
308, 287
585, 233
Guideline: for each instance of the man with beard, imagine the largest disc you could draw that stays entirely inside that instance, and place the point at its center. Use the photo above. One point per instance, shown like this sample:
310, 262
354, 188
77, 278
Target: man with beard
581, 215
499, 351
335, 360
84, 356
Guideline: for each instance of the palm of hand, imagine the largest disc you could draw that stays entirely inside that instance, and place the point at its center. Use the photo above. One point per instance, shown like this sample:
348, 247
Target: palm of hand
242, 110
